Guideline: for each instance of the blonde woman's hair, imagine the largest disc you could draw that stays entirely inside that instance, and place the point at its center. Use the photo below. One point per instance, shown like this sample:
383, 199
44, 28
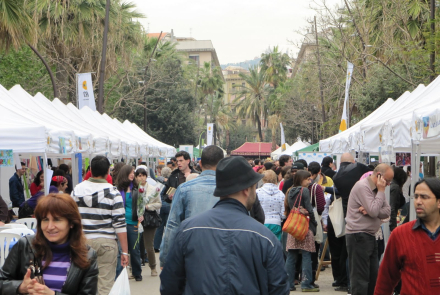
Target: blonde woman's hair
269, 177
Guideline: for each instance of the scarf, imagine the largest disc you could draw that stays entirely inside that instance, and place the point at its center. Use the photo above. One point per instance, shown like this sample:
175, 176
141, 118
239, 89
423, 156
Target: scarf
123, 192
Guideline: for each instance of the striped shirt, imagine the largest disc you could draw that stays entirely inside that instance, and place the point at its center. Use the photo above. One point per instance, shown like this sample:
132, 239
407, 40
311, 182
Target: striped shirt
55, 274
101, 207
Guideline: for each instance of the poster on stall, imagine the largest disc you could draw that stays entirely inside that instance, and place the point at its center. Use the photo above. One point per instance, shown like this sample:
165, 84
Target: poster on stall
403, 159
6, 158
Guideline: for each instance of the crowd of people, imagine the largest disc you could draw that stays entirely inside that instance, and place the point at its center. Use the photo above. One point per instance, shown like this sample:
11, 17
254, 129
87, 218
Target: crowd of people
218, 227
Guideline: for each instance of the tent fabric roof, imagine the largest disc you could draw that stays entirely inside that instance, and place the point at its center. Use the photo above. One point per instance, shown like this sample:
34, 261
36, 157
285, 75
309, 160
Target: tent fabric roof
310, 148
253, 149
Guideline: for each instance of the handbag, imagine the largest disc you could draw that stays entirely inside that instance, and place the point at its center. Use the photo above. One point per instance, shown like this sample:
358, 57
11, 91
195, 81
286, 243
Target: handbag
151, 219
336, 214
319, 237
297, 224
25, 211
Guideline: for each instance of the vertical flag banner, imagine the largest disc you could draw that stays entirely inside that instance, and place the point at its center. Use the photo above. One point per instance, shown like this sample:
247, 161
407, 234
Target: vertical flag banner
84, 90
344, 118
209, 132
283, 138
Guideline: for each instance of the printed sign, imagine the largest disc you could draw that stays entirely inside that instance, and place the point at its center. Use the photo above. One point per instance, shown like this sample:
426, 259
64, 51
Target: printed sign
6, 158
84, 89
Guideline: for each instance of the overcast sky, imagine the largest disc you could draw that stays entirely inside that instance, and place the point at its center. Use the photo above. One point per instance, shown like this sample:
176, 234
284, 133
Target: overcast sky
239, 29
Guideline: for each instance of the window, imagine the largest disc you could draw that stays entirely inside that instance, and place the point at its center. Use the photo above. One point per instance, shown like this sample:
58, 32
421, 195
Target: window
195, 58
243, 84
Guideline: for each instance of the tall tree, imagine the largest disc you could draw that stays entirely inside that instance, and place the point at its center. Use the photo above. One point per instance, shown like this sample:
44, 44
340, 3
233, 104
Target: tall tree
251, 100
275, 63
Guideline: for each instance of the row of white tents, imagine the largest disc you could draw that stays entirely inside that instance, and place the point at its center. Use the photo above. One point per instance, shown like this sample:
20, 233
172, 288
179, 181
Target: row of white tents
34, 124
410, 124
413, 117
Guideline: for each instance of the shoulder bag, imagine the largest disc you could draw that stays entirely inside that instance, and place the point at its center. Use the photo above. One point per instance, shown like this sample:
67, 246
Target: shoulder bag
336, 214
297, 224
151, 219
319, 237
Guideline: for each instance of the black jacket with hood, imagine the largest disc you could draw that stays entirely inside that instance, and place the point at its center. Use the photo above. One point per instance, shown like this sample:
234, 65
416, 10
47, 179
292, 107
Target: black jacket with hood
78, 282
306, 203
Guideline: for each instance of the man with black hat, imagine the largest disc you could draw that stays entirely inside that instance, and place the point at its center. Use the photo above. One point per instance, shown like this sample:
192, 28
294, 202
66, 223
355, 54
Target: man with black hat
224, 250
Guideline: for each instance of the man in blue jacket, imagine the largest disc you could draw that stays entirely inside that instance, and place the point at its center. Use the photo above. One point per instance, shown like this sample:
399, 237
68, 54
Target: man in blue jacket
224, 250
192, 197
16, 190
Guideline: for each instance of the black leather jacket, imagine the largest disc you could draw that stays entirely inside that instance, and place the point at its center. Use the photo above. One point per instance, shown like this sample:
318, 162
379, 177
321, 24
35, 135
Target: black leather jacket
173, 181
78, 282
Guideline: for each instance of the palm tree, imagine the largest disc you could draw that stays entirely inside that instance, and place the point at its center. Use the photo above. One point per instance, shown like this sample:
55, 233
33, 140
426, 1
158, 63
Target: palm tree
251, 100
17, 29
221, 115
275, 63
211, 83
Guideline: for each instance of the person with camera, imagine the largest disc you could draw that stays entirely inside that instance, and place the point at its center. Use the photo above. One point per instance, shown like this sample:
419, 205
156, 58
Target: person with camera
57, 259
366, 207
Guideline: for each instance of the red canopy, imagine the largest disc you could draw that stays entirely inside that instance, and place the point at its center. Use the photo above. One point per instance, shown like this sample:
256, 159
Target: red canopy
255, 149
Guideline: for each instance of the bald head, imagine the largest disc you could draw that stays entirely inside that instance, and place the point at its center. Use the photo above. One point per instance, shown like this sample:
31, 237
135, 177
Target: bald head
347, 157
386, 171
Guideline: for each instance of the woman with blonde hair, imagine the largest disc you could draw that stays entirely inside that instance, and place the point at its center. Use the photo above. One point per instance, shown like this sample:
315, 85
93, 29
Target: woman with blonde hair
272, 202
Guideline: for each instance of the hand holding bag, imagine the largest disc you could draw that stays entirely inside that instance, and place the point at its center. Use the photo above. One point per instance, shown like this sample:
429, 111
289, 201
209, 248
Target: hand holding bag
319, 237
121, 285
297, 224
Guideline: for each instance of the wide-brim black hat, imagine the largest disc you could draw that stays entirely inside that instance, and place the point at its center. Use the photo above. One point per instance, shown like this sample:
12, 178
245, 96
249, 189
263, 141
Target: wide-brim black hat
234, 174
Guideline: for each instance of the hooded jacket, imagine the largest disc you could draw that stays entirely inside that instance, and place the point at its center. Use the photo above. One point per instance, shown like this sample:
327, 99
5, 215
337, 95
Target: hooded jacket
101, 207
294, 193
272, 202
78, 282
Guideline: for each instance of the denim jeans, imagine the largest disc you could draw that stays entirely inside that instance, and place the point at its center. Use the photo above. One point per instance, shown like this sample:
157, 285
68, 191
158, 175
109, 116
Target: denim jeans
292, 257
135, 253
164, 212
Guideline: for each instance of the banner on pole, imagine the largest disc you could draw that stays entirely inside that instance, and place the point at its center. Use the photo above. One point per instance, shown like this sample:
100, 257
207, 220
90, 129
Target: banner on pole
209, 132
283, 138
84, 90
344, 118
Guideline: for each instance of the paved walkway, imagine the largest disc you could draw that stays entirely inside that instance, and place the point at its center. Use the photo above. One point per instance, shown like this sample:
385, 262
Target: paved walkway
150, 285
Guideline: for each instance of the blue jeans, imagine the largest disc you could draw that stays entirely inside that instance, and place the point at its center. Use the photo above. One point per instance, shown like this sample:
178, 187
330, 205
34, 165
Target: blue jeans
164, 212
306, 278
135, 253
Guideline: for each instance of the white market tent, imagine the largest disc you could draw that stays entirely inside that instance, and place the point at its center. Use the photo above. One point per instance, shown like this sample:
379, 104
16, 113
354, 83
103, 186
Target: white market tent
343, 142
276, 153
294, 147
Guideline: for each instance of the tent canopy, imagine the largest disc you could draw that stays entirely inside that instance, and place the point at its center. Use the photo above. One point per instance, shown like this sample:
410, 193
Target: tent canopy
278, 151
310, 148
254, 149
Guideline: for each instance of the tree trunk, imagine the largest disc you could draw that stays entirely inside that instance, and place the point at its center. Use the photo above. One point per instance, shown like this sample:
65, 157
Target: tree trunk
227, 141
274, 142
260, 133
52, 78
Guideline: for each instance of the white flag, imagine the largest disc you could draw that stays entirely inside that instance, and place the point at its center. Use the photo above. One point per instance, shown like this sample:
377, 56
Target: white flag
344, 118
283, 139
209, 132
84, 90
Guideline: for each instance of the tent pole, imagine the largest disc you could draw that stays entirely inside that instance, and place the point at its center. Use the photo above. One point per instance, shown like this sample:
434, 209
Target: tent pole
414, 178
45, 168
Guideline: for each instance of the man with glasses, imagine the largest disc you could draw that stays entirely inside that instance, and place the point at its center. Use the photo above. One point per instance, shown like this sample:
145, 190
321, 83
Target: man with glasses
366, 207
412, 250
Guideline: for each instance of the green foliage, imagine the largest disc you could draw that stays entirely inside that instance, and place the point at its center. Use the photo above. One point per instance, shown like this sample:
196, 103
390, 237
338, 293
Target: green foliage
23, 67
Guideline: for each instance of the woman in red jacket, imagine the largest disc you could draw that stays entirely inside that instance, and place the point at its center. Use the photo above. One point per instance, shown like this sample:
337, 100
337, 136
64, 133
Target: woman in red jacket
38, 183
